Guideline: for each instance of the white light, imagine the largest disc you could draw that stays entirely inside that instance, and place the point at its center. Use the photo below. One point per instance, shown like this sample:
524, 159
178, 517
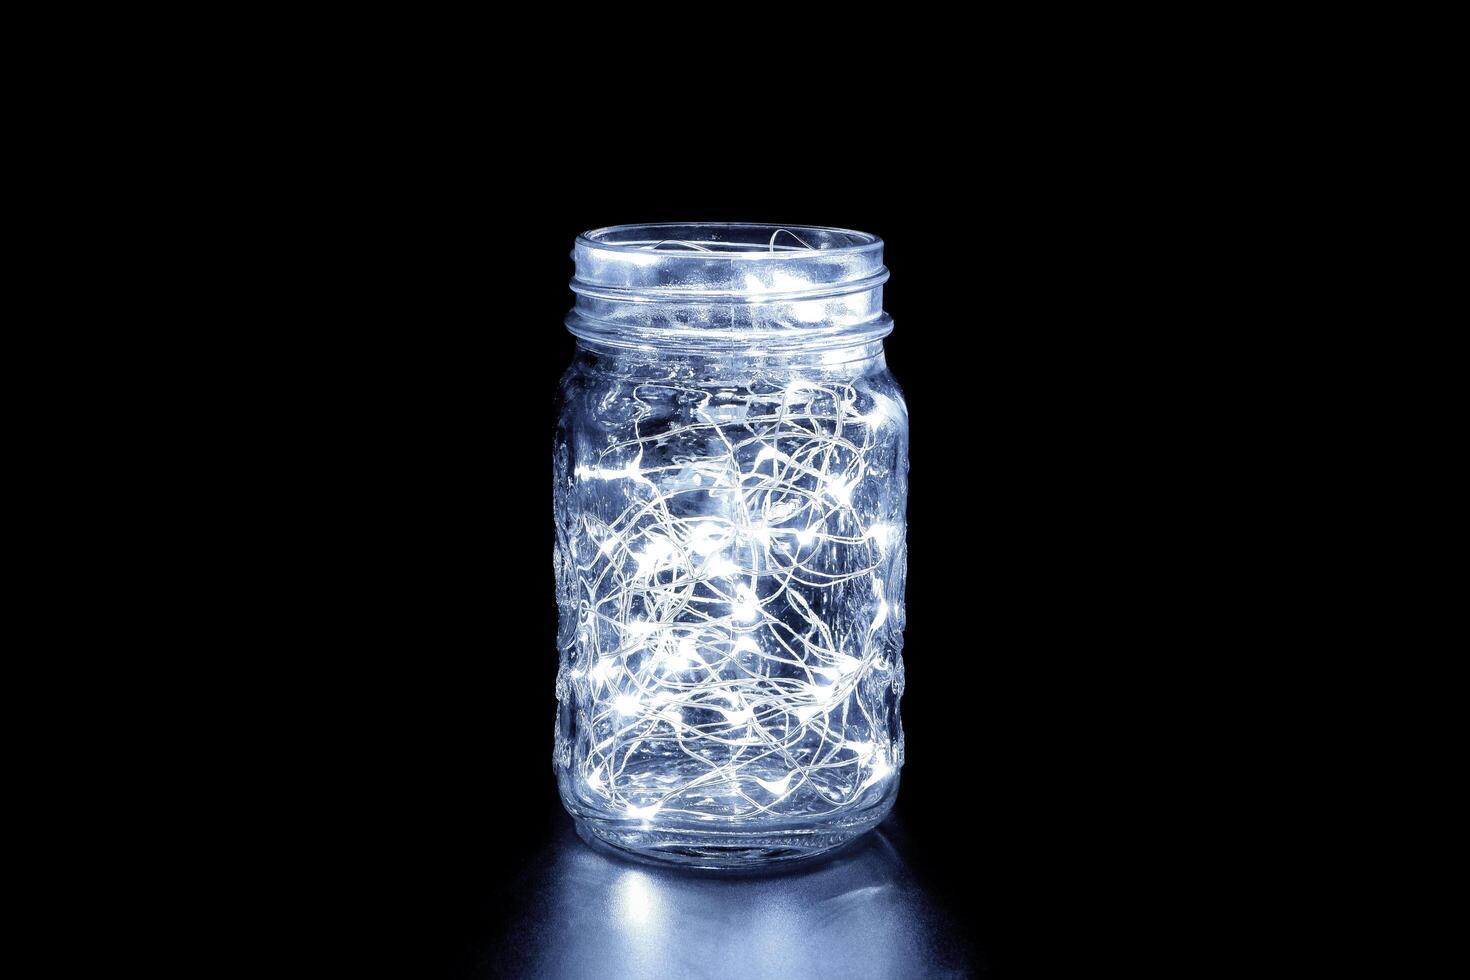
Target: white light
740, 717
781, 511
639, 628
747, 644
776, 786
883, 536
644, 812
745, 607
725, 600
685, 656
809, 311
721, 567
804, 311
655, 554
706, 538
636, 901
628, 471
881, 771
787, 282
822, 694
842, 666
839, 489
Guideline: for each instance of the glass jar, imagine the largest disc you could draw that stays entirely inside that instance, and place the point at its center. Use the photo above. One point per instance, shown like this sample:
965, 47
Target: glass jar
730, 480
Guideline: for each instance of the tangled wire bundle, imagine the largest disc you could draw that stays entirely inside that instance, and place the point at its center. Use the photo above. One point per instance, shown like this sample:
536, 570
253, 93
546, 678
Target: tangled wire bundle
732, 566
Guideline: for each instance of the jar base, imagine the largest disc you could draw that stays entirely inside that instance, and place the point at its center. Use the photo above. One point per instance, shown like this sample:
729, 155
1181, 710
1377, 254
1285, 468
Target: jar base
721, 850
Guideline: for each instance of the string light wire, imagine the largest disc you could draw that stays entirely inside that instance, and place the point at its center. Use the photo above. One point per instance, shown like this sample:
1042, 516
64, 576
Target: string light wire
734, 572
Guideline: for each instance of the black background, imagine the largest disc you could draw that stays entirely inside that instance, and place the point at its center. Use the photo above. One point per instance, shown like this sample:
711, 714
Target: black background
1042, 583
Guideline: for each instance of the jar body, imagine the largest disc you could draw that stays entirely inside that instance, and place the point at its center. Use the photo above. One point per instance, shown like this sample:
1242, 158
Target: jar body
730, 566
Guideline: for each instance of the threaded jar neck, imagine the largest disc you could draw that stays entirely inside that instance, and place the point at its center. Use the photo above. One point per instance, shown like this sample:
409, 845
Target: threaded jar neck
694, 286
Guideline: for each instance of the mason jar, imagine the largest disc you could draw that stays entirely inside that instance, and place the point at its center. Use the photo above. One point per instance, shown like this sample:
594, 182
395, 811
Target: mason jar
731, 469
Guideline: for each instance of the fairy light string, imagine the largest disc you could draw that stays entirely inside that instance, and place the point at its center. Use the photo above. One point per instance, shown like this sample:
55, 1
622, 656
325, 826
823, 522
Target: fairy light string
736, 556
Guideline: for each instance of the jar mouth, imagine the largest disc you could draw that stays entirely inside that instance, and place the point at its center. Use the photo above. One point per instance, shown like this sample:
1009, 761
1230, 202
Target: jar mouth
736, 240
728, 283
729, 262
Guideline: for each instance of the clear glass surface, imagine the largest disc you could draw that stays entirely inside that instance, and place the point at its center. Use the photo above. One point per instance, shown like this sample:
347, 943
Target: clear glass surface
729, 497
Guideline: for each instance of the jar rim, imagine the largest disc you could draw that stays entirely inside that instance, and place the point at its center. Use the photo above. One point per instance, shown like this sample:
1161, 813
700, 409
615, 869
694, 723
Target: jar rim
745, 241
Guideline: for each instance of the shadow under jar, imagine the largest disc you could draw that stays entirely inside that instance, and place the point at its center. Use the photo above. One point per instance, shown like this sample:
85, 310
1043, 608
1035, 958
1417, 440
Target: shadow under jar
731, 469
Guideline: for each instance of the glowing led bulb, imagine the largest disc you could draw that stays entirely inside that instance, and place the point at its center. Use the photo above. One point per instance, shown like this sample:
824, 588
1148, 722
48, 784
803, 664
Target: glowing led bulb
777, 786
639, 628
806, 536
807, 712
721, 567
881, 771
823, 694
644, 812
839, 489
654, 554
842, 666
781, 511
883, 535
707, 537
737, 717
683, 657
745, 607
626, 704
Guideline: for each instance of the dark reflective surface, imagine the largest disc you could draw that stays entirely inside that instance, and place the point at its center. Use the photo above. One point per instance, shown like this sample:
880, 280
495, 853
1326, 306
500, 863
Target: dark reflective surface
582, 912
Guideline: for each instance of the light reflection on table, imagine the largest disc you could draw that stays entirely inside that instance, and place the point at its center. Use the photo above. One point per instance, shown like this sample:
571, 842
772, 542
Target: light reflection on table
591, 913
